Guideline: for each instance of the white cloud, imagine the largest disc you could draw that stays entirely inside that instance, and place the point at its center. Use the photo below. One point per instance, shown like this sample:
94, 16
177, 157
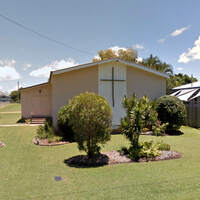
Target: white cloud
179, 31
27, 66
191, 54
139, 59
174, 34
117, 48
9, 63
139, 46
179, 68
162, 40
8, 71
14, 88
44, 71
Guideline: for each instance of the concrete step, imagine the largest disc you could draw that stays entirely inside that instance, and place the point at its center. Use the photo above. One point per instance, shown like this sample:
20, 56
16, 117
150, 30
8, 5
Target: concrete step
38, 120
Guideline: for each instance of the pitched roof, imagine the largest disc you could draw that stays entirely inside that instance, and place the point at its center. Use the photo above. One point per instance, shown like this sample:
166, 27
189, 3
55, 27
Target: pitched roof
131, 64
188, 86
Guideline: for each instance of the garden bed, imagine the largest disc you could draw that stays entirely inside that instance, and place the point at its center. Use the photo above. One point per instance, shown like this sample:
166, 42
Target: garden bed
2, 144
114, 157
45, 142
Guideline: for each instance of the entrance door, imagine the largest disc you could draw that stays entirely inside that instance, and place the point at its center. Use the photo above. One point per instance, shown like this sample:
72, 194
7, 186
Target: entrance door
112, 86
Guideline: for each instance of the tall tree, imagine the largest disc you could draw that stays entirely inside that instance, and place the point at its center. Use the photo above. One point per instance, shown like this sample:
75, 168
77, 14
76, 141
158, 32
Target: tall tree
154, 62
127, 54
178, 80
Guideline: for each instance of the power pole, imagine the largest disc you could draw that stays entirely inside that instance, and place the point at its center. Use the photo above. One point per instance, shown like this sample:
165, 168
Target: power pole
18, 91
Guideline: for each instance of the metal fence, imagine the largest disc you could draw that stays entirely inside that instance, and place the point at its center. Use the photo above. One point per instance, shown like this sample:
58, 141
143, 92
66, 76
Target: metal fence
193, 113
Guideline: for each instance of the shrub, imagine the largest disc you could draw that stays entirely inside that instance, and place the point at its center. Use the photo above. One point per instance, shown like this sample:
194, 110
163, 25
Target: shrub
90, 117
163, 146
159, 129
171, 110
46, 131
144, 150
150, 150
65, 130
139, 115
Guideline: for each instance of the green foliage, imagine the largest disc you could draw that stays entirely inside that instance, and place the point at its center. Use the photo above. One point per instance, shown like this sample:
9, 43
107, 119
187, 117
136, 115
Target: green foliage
90, 117
171, 110
46, 131
149, 150
144, 150
65, 130
163, 146
159, 129
155, 63
139, 115
15, 96
128, 54
178, 80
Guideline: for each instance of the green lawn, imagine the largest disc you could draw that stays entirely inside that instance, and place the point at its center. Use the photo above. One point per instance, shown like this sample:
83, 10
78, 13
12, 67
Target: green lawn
6, 115
27, 171
12, 107
9, 118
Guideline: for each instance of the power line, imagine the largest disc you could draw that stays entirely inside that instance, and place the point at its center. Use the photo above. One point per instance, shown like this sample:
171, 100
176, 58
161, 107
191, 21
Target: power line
42, 35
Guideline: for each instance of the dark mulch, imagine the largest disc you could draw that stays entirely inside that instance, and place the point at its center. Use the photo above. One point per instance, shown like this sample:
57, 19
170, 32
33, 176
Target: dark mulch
2, 144
44, 142
114, 157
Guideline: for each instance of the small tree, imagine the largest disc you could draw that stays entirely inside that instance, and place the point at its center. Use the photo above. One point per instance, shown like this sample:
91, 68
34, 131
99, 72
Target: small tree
91, 120
139, 114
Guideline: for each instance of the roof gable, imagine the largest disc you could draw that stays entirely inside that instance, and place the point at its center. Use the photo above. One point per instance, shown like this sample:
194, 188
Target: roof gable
131, 64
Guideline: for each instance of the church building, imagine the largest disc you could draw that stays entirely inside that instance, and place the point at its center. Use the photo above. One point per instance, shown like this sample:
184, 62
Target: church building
112, 79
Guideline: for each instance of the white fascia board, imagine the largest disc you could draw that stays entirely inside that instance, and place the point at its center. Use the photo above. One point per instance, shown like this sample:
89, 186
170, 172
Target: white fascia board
107, 61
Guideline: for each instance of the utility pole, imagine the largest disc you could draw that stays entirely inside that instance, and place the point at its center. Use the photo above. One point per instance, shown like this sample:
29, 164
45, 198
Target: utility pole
18, 91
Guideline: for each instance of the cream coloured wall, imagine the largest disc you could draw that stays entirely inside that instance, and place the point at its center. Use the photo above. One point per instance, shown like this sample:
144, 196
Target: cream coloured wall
36, 101
145, 83
69, 84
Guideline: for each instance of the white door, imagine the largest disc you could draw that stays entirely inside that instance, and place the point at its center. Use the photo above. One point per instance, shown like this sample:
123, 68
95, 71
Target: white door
112, 86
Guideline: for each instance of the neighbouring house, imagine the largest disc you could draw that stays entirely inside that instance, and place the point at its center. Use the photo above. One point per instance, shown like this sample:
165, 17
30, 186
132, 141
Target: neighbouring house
4, 96
112, 79
190, 95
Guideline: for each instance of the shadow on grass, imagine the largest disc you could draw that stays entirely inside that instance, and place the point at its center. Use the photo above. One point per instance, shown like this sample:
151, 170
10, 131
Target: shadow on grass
82, 161
115, 132
175, 133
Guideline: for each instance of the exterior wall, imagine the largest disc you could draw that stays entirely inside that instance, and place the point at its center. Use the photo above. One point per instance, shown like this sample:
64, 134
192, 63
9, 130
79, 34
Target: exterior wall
113, 92
67, 85
144, 83
36, 101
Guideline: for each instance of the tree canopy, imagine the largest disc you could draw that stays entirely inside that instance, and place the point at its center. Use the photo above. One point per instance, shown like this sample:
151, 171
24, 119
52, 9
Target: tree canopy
155, 63
178, 80
15, 96
127, 54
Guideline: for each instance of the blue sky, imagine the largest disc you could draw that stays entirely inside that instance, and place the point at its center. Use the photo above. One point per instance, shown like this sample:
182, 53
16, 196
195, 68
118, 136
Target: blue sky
167, 29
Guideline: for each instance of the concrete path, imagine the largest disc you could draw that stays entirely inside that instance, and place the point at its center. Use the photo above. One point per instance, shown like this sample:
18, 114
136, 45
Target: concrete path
18, 125
2, 104
12, 112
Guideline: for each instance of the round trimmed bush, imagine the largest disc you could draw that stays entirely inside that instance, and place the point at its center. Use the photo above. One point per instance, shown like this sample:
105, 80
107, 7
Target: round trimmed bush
171, 110
90, 117
65, 130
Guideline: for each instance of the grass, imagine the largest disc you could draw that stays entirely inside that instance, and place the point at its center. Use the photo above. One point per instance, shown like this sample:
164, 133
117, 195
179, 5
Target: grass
27, 171
6, 115
12, 107
9, 118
